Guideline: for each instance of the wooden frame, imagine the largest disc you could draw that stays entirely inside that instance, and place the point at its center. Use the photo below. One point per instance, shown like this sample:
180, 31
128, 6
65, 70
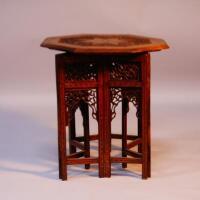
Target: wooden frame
103, 84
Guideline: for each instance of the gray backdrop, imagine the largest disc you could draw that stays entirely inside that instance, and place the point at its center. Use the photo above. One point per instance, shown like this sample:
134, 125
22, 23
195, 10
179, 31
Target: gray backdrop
28, 141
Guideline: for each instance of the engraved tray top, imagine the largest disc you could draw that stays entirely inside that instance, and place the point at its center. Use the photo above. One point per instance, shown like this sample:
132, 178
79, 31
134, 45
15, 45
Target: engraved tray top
94, 43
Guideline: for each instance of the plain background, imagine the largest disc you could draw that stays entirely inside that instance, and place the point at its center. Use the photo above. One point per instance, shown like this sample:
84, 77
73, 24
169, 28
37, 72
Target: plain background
28, 140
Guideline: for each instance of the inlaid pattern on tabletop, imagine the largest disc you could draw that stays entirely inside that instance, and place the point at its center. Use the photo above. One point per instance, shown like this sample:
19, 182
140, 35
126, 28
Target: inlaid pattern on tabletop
95, 43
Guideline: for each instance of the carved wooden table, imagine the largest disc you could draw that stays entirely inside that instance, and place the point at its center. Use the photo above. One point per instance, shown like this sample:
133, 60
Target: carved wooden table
100, 71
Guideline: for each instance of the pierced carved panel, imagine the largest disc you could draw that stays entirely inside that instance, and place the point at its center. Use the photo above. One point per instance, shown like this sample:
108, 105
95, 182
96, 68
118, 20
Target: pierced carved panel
74, 97
131, 94
79, 72
125, 71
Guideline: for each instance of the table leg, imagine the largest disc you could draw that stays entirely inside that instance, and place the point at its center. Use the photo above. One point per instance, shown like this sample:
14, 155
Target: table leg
107, 123
61, 119
85, 113
104, 123
72, 133
149, 112
146, 117
124, 129
100, 107
139, 133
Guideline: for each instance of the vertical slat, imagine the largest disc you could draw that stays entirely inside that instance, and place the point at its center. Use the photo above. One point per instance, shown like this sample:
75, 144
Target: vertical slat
140, 133
107, 122
61, 118
72, 132
144, 117
139, 119
148, 84
100, 107
85, 113
124, 129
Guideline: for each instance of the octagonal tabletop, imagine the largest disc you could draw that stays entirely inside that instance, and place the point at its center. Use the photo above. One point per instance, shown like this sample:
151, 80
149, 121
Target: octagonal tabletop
94, 43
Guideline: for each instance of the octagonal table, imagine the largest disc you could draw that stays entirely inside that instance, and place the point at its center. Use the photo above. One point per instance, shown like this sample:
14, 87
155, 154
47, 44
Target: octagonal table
99, 72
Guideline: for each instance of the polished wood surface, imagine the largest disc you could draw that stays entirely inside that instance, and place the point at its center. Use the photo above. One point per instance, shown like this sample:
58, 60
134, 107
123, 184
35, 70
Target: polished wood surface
96, 44
101, 82
100, 72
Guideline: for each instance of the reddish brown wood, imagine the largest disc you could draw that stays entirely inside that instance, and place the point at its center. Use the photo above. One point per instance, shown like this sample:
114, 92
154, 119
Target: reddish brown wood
97, 44
125, 84
148, 83
103, 85
139, 133
134, 143
134, 153
74, 161
61, 118
85, 113
92, 137
145, 104
72, 134
107, 121
118, 136
124, 129
100, 71
77, 154
101, 123
125, 160
81, 85
77, 144
104, 122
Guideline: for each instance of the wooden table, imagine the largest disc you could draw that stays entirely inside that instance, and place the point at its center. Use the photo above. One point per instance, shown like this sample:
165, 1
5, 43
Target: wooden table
100, 71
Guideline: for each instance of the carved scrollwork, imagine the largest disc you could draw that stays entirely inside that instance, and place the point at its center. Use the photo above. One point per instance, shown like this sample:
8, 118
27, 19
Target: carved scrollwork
74, 97
78, 72
131, 94
124, 71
